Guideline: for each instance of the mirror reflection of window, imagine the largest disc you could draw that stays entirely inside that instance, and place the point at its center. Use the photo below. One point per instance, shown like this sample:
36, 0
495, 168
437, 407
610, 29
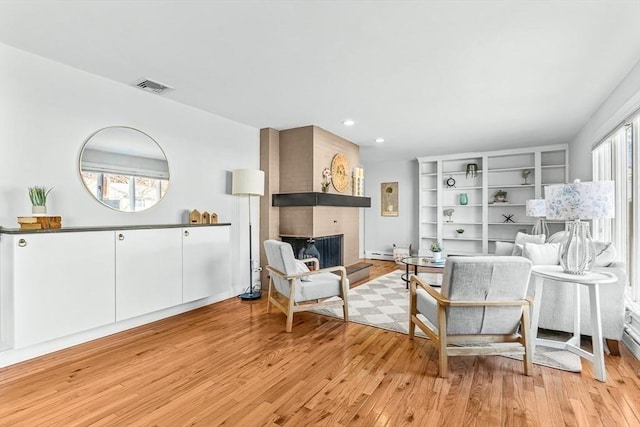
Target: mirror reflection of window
124, 169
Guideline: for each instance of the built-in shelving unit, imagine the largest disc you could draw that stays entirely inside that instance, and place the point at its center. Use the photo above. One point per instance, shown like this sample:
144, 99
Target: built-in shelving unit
483, 220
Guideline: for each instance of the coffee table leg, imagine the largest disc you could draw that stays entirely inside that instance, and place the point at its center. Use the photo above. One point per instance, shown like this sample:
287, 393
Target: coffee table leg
596, 331
408, 278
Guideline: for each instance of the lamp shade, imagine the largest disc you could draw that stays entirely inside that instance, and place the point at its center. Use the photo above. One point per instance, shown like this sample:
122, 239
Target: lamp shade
580, 200
247, 182
536, 208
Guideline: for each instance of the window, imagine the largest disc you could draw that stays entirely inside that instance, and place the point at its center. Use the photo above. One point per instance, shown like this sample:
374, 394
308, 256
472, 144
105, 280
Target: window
617, 158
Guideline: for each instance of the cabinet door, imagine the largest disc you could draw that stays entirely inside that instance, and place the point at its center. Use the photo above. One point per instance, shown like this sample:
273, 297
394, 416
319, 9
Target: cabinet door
206, 269
63, 284
148, 271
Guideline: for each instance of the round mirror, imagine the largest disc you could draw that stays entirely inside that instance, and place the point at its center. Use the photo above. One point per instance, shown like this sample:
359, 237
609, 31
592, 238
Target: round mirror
124, 169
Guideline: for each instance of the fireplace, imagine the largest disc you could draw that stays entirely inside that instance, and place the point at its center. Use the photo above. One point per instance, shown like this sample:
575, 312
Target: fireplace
329, 248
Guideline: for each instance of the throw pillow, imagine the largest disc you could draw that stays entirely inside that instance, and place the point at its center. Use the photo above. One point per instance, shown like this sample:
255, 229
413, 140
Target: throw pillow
522, 238
605, 254
301, 267
504, 248
558, 237
542, 254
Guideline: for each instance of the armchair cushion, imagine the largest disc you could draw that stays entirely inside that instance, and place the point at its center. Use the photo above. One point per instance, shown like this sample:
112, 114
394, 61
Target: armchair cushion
480, 279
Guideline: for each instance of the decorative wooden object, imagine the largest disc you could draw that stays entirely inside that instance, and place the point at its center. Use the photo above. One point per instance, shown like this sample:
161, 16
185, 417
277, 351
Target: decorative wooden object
206, 217
340, 172
39, 222
195, 217
214, 218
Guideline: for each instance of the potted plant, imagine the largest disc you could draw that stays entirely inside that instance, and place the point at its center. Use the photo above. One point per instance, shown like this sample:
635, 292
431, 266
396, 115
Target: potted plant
38, 196
459, 232
436, 249
500, 196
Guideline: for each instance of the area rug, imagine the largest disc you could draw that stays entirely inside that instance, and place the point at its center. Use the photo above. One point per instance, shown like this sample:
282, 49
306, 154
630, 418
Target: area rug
384, 303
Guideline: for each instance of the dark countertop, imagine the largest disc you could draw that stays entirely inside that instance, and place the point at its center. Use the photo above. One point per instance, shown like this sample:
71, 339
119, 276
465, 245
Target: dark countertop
106, 228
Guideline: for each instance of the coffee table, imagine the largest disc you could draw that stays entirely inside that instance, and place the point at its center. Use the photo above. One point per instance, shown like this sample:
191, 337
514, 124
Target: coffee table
420, 262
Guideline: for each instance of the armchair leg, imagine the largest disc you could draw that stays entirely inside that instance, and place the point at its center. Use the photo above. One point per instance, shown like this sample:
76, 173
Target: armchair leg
269, 294
413, 311
345, 307
442, 340
526, 337
614, 347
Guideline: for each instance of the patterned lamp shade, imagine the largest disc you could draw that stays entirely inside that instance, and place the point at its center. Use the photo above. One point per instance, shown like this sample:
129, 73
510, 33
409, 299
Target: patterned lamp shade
580, 200
536, 208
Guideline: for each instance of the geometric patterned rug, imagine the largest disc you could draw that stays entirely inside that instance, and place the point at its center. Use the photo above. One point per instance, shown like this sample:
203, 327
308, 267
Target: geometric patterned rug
384, 303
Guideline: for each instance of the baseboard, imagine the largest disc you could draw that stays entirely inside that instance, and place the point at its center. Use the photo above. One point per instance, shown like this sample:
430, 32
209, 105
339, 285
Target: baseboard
631, 344
380, 255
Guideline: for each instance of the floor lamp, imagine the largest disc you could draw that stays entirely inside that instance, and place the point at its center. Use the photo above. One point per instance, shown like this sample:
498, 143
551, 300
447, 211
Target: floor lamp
248, 182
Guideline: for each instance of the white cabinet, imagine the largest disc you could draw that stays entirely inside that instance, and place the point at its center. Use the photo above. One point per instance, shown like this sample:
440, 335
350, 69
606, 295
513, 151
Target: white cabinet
62, 287
148, 270
205, 261
476, 222
60, 284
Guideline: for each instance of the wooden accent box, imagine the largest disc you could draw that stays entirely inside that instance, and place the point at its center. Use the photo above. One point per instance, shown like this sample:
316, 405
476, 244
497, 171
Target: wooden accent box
39, 222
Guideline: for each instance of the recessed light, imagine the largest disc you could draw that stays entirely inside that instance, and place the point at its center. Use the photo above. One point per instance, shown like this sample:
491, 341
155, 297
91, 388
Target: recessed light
379, 140
348, 122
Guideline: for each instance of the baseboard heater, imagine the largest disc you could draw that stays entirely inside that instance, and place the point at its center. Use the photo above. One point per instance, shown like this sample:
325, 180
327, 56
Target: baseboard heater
380, 255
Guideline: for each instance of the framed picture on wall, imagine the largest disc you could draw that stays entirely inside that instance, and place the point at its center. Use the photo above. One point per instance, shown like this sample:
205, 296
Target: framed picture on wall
389, 199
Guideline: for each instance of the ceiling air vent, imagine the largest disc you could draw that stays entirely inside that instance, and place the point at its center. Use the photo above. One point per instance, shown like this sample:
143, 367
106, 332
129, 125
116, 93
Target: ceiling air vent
151, 86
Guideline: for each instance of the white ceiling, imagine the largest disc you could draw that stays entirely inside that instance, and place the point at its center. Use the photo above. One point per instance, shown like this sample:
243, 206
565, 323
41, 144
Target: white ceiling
429, 77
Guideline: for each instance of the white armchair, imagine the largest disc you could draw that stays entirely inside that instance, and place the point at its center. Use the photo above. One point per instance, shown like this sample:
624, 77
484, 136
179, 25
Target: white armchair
482, 302
291, 294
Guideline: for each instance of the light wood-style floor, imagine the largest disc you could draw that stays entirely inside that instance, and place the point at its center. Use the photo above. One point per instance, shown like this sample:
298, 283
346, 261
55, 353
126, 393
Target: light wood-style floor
232, 364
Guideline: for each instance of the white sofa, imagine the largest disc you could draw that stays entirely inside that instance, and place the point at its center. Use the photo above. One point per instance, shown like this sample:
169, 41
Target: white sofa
556, 307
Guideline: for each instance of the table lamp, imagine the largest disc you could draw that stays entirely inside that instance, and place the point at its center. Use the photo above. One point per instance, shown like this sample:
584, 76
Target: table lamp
248, 182
537, 208
572, 203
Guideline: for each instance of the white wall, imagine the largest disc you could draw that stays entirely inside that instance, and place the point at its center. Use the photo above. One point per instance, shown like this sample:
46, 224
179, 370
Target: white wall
380, 233
624, 100
47, 110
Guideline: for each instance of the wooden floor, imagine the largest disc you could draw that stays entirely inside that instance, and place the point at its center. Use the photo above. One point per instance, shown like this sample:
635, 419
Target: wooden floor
232, 364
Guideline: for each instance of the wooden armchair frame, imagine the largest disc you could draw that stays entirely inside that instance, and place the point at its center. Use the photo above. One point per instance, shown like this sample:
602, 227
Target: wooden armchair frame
521, 342
288, 306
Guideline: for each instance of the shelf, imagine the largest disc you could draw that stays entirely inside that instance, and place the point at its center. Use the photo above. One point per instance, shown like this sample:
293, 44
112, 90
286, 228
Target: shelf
429, 206
495, 239
497, 187
511, 223
428, 237
495, 205
462, 206
430, 189
521, 168
428, 222
475, 239
461, 188
461, 223
429, 174
552, 183
552, 166
460, 173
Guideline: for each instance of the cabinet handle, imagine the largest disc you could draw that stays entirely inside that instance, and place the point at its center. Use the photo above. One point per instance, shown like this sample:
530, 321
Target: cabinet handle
120, 236
22, 243
186, 232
